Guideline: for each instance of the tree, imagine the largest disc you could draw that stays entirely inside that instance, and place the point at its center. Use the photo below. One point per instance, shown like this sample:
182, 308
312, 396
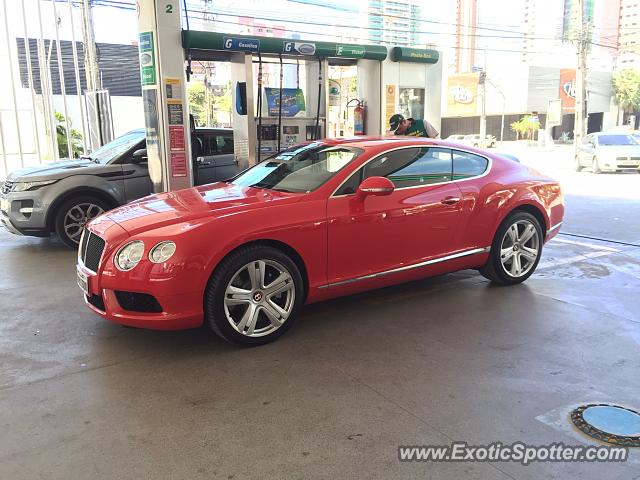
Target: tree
517, 127
61, 134
526, 126
626, 89
197, 102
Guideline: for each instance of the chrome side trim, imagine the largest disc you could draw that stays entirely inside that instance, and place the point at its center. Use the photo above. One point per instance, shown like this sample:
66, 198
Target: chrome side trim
411, 267
557, 225
484, 174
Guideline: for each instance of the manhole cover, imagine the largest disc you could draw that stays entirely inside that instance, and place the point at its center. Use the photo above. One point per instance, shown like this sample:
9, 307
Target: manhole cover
609, 423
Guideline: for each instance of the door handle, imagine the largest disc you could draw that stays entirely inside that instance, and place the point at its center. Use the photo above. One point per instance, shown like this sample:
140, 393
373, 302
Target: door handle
450, 200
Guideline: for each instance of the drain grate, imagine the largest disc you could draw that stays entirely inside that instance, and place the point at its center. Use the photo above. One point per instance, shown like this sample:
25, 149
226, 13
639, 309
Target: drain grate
608, 423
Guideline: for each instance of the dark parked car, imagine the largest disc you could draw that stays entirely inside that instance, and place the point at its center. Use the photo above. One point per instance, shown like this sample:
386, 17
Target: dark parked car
63, 196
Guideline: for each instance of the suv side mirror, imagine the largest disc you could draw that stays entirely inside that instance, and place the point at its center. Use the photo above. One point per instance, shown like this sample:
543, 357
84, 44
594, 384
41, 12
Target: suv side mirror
378, 186
139, 156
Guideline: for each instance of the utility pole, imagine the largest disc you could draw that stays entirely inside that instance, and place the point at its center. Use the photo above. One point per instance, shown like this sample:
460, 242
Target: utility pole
582, 42
92, 72
482, 77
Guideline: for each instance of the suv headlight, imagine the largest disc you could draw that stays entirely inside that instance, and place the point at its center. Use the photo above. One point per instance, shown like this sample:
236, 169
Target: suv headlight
129, 255
25, 186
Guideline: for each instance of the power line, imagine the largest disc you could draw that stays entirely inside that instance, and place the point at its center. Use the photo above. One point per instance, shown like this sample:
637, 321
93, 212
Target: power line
383, 29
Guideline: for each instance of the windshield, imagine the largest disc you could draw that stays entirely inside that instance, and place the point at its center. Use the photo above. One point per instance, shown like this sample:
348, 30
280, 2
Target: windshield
116, 147
302, 168
618, 140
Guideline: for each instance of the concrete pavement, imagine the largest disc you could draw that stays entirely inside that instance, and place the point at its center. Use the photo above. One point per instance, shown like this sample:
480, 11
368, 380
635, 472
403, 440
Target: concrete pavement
430, 362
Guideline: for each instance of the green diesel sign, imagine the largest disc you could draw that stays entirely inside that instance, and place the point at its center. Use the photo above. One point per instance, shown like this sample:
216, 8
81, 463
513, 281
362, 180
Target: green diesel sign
147, 59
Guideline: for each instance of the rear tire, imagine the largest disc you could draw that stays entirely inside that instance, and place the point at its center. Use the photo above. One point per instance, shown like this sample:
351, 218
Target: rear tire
515, 251
74, 214
254, 296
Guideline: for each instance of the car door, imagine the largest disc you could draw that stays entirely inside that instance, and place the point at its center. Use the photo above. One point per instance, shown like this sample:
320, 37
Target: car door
205, 168
225, 163
417, 221
135, 174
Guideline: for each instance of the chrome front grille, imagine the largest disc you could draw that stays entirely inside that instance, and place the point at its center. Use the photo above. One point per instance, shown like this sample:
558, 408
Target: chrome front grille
628, 159
7, 187
90, 250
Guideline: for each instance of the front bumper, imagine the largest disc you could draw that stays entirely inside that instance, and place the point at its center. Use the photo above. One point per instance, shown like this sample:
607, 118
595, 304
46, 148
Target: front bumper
179, 311
23, 214
613, 165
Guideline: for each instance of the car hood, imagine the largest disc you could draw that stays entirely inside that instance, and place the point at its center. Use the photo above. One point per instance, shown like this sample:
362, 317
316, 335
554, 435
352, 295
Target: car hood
210, 201
50, 171
619, 150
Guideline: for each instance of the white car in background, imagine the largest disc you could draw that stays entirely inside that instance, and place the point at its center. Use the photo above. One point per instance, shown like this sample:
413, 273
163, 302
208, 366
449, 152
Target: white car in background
609, 152
472, 140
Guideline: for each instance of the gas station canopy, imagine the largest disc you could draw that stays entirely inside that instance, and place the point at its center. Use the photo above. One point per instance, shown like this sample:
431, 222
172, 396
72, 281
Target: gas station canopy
195, 40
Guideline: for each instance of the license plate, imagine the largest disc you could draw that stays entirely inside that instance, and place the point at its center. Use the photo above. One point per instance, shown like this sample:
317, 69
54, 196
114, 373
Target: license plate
83, 282
4, 204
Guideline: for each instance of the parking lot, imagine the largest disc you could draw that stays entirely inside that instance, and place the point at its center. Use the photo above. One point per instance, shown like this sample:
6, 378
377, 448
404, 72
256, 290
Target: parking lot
426, 363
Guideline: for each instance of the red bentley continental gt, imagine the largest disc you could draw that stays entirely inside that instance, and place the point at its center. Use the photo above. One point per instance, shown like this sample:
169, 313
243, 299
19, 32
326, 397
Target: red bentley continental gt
316, 221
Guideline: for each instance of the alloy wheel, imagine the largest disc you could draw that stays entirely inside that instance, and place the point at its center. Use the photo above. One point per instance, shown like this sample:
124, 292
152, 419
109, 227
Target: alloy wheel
259, 298
519, 248
77, 217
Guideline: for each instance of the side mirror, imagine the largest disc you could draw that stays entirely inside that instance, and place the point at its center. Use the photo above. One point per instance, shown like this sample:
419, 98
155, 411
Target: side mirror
378, 186
139, 155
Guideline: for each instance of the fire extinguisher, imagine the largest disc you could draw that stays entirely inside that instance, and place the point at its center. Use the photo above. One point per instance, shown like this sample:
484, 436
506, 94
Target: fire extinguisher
358, 116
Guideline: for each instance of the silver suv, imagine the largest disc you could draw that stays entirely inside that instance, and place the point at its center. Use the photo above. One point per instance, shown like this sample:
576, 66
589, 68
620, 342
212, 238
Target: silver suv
62, 196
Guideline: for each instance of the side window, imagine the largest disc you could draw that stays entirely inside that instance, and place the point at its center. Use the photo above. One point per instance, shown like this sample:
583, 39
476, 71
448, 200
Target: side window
351, 185
224, 144
412, 167
466, 165
209, 145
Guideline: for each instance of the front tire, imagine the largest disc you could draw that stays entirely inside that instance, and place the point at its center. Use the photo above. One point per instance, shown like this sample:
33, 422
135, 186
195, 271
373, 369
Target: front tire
595, 166
253, 296
515, 251
74, 214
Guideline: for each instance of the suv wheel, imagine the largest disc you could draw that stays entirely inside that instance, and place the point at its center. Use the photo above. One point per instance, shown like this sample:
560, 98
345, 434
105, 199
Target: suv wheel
74, 214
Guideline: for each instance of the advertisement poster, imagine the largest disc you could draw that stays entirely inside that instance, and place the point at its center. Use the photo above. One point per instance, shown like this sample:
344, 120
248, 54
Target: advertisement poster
568, 90
178, 164
175, 114
176, 137
173, 88
390, 101
292, 101
462, 94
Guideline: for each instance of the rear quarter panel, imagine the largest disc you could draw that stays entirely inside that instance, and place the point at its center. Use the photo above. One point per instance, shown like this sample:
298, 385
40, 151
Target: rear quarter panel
509, 185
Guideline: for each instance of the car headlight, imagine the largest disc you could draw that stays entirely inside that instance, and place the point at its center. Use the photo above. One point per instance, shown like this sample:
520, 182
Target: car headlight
162, 252
25, 186
129, 255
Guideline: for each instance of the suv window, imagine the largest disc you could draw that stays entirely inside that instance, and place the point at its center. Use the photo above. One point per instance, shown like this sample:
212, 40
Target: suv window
225, 143
209, 145
466, 165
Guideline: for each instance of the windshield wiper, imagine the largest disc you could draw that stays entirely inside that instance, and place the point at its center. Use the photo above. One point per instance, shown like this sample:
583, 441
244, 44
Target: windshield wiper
88, 157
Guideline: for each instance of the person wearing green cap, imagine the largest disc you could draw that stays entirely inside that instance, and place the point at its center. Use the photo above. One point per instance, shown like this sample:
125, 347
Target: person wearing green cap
412, 127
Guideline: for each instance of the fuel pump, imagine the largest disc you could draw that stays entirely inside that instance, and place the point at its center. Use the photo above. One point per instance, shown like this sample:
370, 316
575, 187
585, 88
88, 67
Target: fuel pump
316, 133
259, 107
280, 106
